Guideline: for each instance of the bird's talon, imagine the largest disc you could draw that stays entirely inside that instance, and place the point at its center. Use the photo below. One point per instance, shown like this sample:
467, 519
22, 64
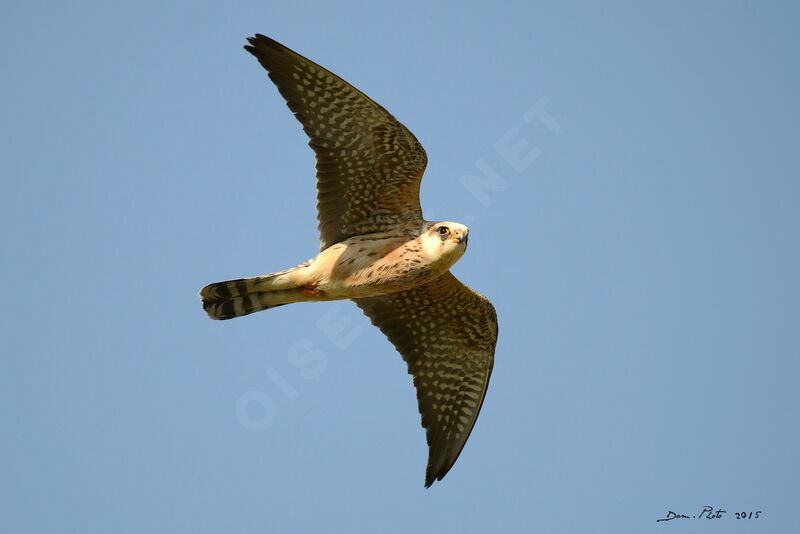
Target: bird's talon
310, 291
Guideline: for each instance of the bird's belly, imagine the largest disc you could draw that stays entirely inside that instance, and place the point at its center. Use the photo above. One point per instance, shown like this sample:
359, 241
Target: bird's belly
383, 278
380, 279
359, 270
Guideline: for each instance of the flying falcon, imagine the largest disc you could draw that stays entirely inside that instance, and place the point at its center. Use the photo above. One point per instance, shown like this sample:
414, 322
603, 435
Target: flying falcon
378, 251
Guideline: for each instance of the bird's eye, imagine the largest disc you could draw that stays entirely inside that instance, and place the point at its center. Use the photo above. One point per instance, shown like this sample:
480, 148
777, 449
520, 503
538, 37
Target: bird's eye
443, 230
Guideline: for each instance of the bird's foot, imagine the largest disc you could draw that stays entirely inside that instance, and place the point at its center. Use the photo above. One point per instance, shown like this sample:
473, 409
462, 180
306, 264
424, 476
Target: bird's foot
310, 290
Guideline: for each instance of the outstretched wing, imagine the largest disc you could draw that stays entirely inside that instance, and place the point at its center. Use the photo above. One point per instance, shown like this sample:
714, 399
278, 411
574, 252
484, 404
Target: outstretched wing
446, 333
369, 166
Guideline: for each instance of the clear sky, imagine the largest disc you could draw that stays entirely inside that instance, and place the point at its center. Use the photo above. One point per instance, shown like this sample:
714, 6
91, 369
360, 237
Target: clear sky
630, 176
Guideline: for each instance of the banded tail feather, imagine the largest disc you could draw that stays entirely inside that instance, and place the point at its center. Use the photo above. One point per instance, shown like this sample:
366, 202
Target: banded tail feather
239, 306
243, 296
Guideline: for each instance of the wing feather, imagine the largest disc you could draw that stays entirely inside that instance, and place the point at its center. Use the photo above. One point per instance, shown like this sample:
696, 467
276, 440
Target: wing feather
369, 166
446, 333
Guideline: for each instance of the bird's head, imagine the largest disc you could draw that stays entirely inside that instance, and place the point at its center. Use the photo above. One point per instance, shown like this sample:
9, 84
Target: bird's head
445, 241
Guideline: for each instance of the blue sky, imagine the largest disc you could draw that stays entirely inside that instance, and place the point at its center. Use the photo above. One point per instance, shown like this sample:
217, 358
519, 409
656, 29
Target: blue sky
633, 215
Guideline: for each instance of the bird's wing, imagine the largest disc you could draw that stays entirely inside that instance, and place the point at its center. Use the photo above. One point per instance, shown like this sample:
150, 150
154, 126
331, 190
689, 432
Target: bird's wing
447, 334
369, 166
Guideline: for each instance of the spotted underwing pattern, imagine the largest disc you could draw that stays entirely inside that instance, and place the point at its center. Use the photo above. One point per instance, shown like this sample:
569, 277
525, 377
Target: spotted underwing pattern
447, 335
377, 249
369, 166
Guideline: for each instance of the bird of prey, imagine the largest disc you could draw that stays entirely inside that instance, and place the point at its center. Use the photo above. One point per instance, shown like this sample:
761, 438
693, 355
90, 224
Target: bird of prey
379, 251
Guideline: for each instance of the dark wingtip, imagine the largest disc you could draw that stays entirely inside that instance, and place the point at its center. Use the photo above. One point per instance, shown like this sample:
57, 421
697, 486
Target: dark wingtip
431, 477
260, 44
253, 41
263, 40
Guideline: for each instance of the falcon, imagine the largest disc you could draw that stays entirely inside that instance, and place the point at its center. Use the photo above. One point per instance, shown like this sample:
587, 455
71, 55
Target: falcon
378, 250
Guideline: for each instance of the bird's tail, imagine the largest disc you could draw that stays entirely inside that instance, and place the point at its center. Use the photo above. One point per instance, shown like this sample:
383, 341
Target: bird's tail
235, 298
